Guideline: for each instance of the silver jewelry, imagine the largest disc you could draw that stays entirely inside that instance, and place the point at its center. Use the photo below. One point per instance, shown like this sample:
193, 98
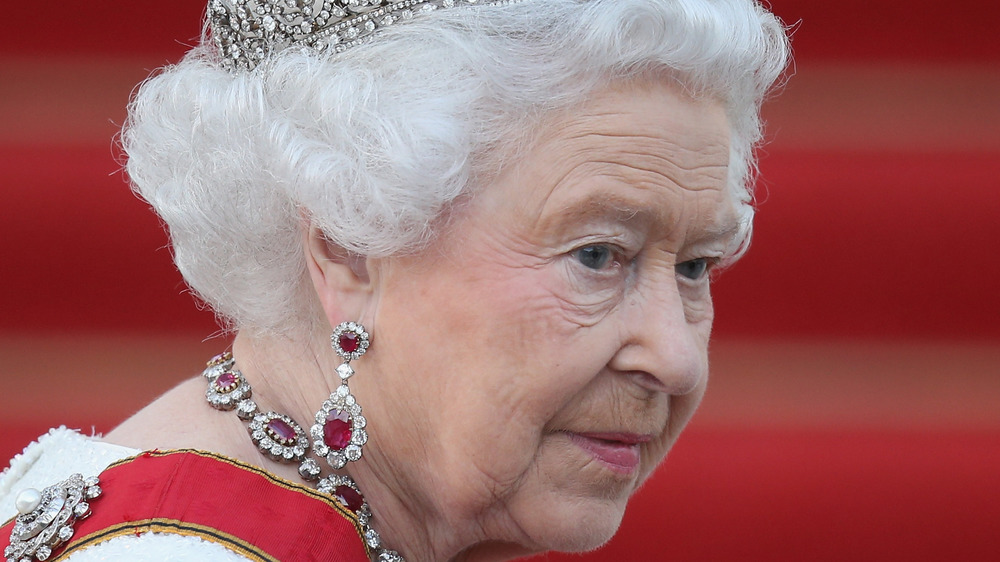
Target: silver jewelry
45, 519
339, 433
246, 31
283, 440
276, 435
346, 492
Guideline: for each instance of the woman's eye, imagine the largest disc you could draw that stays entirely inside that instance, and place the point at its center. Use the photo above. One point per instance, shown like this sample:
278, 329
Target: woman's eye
594, 257
692, 269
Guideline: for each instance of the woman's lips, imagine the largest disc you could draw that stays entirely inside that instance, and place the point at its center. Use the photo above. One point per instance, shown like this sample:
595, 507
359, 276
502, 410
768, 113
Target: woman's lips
618, 451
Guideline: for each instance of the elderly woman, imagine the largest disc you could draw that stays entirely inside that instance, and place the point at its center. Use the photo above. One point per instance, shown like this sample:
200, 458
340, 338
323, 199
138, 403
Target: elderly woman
507, 215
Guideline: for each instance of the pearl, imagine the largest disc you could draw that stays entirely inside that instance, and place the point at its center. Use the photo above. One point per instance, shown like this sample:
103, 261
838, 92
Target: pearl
28, 500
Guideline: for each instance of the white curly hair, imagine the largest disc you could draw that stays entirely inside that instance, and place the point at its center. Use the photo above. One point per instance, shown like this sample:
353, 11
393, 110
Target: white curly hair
374, 144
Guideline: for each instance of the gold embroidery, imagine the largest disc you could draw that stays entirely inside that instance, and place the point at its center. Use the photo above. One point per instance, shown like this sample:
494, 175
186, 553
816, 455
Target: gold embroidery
169, 526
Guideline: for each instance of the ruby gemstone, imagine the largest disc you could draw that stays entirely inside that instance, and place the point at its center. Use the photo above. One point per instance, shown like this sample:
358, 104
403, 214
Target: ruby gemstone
337, 430
348, 342
226, 381
282, 431
349, 497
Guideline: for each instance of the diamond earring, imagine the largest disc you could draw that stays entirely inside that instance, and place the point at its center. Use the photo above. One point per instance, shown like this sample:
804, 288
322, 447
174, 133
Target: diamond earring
339, 433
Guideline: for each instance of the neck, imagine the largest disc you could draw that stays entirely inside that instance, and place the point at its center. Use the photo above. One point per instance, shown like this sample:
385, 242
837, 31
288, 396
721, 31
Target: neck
293, 377
418, 530
413, 511
289, 377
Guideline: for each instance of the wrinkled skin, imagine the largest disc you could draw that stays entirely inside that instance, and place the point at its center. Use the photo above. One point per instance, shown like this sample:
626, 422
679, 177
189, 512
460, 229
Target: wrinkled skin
533, 366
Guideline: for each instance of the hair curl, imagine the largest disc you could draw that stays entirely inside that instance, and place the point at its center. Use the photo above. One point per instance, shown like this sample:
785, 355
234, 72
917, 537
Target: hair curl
375, 143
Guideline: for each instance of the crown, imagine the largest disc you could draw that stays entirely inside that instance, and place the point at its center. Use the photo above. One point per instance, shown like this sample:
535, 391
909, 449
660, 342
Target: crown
245, 31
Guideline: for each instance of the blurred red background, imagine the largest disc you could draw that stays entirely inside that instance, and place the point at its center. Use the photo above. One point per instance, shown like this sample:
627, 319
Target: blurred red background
854, 411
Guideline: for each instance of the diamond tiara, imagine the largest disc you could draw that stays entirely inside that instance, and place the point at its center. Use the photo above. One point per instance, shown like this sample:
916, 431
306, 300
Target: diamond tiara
246, 31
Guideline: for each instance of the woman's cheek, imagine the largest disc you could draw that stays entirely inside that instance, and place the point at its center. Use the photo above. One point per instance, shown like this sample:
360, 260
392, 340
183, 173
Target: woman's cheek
585, 298
698, 308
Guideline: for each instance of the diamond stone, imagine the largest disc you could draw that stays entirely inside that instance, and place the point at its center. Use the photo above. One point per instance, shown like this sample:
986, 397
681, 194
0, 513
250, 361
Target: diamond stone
345, 371
336, 460
246, 409
390, 556
353, 452
81, 509
360, 437
309, 470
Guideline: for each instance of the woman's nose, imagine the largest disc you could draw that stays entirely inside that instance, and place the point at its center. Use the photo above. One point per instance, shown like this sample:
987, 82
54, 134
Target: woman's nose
663, 339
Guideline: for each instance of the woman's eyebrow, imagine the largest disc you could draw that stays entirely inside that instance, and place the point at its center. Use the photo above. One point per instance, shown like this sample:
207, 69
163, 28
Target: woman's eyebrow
716, 232
603, 204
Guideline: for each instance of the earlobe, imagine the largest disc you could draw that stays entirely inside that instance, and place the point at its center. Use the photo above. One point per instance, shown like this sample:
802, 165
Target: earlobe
339, 278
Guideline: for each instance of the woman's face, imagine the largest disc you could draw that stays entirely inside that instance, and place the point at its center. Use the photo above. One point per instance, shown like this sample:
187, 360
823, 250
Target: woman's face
531, 369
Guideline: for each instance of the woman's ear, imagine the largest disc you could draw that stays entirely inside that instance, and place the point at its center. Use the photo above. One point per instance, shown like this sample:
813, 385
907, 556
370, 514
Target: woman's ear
339, 278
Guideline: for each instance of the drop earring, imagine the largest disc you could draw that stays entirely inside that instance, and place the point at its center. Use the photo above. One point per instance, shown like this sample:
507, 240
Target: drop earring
339, 433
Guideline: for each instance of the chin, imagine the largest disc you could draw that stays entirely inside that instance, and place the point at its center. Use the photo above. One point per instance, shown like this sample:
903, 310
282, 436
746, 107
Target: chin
578, 526
587, 535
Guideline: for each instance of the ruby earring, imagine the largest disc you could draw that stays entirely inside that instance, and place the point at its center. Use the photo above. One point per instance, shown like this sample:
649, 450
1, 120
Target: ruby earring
339, 433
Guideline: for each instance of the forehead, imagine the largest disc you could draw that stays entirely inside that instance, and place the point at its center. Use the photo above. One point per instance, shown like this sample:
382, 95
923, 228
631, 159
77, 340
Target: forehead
644, 152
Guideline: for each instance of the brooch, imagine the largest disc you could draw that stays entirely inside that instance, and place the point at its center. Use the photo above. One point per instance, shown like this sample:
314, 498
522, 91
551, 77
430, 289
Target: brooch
45, 519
